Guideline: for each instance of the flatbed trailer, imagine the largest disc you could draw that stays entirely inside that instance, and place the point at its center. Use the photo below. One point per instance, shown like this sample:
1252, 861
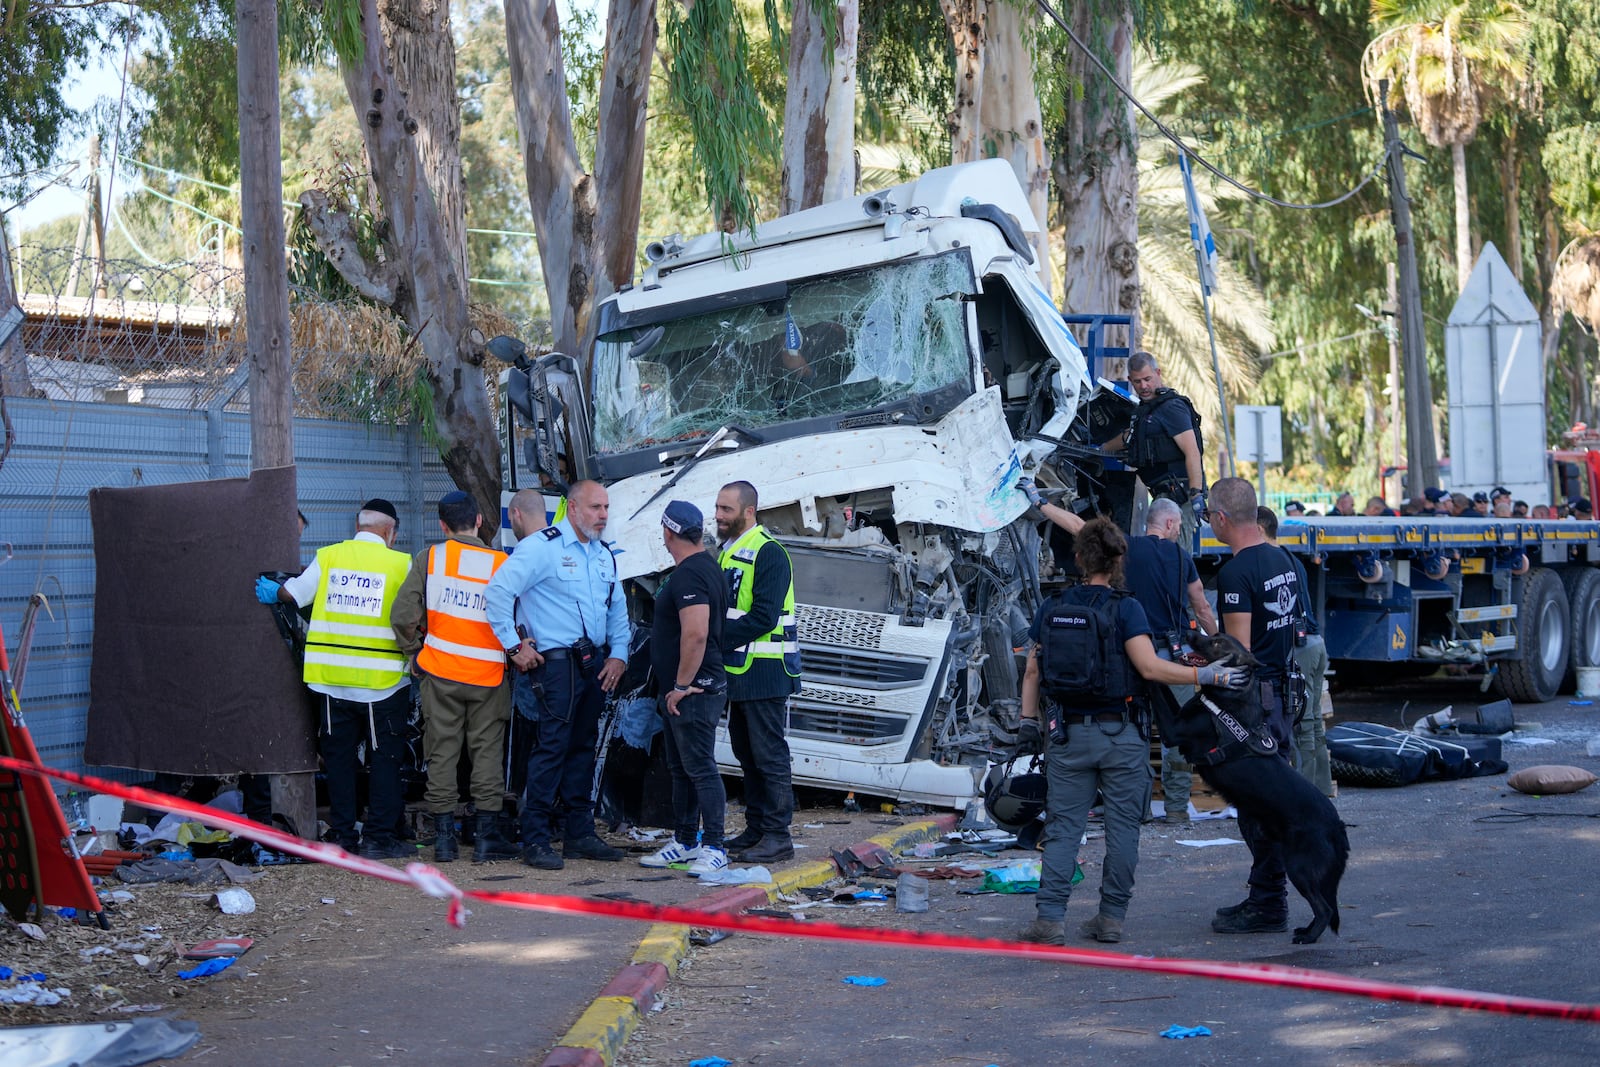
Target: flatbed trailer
1396, 596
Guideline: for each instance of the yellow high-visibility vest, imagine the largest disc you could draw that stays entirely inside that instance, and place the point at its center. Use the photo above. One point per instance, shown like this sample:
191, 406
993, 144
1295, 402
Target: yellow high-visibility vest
350, 642
738, 562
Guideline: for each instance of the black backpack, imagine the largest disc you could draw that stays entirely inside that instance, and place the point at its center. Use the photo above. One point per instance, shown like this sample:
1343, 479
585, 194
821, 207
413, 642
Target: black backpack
1082, 659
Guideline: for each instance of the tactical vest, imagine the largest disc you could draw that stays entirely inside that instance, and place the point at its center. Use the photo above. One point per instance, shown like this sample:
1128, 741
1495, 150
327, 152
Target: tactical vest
1156, 454
350, 642
738, 562
460, 645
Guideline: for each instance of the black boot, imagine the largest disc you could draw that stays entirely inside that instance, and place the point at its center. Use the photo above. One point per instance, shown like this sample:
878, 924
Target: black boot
491, 844
444, 841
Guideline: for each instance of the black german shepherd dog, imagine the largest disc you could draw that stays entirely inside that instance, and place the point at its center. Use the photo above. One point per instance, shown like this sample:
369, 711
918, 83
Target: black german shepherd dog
1290, 810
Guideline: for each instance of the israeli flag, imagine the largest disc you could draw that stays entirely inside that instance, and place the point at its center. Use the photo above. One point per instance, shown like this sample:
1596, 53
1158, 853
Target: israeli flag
791, 333
1199, 232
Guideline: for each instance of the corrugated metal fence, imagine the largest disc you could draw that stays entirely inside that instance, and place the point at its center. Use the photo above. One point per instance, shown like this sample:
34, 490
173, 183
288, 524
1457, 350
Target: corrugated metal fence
65, 449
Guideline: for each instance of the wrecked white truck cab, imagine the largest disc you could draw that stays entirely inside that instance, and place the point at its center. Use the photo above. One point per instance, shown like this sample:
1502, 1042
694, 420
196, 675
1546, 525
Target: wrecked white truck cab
883, 370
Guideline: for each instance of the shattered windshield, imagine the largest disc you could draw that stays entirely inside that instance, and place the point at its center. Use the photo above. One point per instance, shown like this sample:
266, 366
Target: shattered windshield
829, 346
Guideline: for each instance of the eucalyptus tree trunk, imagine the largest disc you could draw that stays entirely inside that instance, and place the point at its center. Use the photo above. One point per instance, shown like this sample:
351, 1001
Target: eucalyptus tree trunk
14, 379
966, 21
1097, 172
419, 276
587, 223
1011, 121
424, 53
1458, 165
819, 114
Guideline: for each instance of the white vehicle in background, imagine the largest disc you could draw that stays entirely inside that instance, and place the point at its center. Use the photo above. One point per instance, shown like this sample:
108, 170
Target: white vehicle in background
884, 370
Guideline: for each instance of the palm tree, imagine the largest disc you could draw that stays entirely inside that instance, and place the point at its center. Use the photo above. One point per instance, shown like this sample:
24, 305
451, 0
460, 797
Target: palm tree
1448, 61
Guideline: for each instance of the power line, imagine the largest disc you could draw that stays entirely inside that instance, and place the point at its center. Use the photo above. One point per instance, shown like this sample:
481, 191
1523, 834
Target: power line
1166, 132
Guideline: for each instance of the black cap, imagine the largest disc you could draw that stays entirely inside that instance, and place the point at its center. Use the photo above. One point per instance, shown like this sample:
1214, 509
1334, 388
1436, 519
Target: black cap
683, 519
1480, 497
1294, 505
1580, 504
1499, 491
1435, 495
381, 506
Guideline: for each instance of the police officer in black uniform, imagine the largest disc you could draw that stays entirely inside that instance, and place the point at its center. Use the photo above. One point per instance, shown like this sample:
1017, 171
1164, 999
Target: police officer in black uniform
1091, 645
1260, 602
1164, 442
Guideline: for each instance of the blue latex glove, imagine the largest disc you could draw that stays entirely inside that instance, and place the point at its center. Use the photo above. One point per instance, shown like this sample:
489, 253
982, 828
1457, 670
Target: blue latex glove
267, 590
1026, 487
209, 967
1178, 1033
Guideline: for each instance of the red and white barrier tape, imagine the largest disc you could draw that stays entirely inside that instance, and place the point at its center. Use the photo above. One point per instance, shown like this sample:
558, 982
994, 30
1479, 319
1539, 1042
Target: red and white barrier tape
427, 879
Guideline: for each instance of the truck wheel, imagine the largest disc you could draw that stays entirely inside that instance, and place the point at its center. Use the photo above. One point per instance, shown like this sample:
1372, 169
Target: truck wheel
1543, 619
1583, 598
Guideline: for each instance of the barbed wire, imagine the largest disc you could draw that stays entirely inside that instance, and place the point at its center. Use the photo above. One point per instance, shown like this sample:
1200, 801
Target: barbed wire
173, 335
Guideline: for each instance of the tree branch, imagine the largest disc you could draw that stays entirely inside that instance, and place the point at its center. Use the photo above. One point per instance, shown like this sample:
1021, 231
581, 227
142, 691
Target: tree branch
335, 232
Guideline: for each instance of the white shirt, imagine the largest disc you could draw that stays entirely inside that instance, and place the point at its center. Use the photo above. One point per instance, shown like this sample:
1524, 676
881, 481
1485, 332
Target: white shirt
304, 589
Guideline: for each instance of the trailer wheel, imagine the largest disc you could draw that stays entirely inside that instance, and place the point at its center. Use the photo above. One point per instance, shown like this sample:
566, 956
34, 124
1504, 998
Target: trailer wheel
1583, 598
1543, 619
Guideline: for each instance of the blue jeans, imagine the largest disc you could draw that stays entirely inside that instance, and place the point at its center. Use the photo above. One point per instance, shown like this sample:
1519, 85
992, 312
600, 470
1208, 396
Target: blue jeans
560, 784
755, 730
698, 799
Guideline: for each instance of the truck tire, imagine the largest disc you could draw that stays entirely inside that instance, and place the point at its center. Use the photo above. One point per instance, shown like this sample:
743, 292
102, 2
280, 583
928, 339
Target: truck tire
1543, 620
1583, 627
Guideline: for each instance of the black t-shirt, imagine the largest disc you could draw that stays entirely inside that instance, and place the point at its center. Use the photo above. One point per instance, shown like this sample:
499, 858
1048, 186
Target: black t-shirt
1264, 581
697, 580
1158, 573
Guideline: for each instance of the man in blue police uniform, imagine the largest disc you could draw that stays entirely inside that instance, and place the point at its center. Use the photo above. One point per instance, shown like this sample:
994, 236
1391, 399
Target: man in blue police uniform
562, 585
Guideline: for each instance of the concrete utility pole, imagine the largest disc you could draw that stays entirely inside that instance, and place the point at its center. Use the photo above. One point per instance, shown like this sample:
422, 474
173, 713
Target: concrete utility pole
266, 296
1422, 460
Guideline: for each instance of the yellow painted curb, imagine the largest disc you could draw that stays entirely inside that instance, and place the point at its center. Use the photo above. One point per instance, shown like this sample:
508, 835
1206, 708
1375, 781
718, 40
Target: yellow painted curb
664, 943
606, 1024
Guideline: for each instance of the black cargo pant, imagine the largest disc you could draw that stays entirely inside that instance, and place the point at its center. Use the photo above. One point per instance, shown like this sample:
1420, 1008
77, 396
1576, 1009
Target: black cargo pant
558, 799
1269, 892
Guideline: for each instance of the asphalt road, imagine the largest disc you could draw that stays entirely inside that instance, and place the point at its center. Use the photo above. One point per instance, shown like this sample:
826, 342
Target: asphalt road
1434, 895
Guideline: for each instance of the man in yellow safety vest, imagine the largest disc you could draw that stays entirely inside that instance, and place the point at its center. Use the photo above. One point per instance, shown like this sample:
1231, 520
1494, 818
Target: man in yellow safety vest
761, 654
442, 618
354, 663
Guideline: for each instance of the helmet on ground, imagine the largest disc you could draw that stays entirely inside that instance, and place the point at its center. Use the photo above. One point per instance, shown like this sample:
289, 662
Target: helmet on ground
1013, 800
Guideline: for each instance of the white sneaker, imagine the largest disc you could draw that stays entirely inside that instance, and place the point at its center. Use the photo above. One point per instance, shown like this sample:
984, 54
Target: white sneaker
670, 853
709, 861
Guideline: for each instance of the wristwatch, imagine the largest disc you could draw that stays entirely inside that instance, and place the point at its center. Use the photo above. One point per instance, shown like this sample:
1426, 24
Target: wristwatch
680, 689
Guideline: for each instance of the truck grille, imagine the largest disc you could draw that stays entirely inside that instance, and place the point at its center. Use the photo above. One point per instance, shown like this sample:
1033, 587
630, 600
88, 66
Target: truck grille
850, 725
838, 626
859, 668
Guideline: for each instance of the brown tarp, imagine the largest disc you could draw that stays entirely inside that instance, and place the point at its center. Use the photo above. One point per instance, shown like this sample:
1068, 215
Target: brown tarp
189, 675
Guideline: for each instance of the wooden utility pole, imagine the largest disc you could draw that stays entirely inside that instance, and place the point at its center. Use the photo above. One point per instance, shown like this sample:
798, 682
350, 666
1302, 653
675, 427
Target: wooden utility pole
1422, 460
97, 208
266, 296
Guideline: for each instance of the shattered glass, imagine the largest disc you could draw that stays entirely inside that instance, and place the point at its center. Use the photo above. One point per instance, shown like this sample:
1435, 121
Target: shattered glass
833, 346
